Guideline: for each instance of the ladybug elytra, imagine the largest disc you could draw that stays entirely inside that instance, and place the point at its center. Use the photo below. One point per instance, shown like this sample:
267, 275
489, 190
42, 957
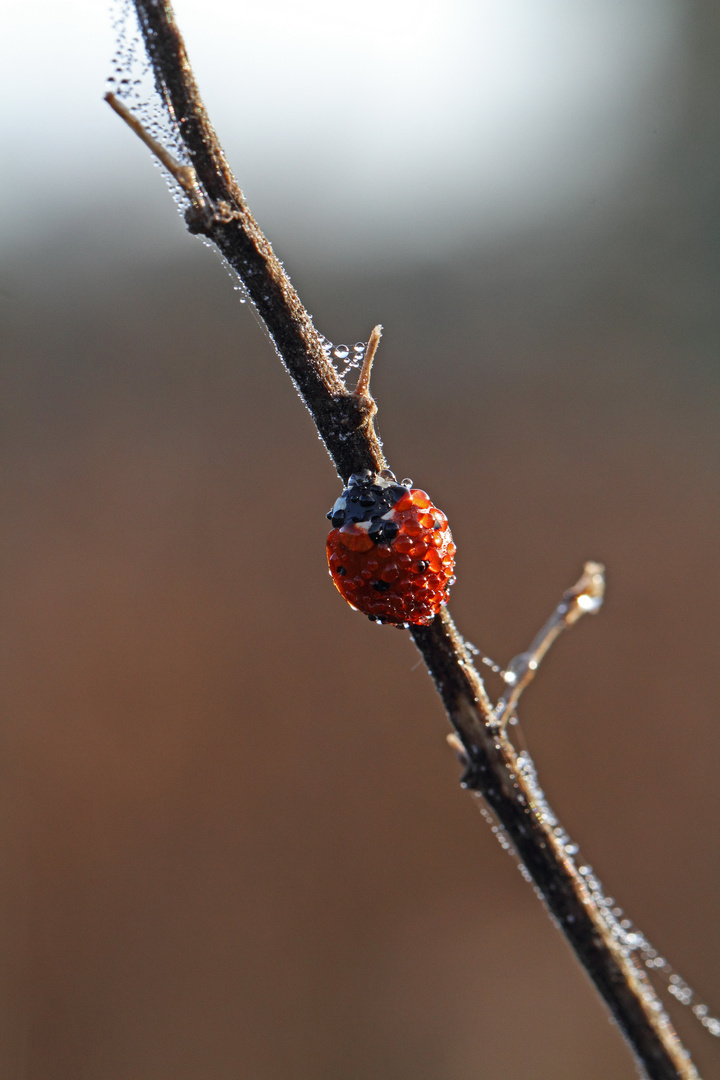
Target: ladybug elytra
390, 552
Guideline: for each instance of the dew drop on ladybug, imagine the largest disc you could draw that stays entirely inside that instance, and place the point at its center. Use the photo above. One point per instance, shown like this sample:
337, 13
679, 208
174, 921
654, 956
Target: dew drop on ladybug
390, 552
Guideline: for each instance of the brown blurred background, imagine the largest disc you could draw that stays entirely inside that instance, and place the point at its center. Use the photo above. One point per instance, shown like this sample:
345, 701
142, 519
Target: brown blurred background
233, 840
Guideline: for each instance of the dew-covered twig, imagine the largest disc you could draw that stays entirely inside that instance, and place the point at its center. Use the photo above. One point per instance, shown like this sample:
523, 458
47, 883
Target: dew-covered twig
585, 597
344, 419
507, 783
340, 416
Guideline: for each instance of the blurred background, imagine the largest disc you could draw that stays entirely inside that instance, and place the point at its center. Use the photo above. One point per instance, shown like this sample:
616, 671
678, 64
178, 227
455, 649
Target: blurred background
233, 842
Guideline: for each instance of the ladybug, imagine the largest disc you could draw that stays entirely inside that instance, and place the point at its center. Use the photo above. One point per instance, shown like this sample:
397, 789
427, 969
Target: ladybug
390, 551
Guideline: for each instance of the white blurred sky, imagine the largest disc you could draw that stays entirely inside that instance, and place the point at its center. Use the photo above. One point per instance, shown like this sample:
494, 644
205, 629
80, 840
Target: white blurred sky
497, 112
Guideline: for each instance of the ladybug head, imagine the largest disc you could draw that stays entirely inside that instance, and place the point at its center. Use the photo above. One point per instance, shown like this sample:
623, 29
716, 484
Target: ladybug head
368, 497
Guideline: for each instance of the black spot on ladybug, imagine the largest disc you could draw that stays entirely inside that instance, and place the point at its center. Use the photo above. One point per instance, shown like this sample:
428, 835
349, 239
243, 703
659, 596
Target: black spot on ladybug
422, 566
437, 523
383, 531
341, 571
338, 518
372, 618
380, 586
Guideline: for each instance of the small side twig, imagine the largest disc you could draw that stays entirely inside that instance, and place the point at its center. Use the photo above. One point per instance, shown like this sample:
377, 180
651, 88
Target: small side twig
362, 387
185, 175
585, 597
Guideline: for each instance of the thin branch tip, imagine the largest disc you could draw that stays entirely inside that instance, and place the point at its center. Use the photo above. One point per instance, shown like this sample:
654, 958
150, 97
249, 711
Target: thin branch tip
362, 387
585, 597
587, 594
185, 175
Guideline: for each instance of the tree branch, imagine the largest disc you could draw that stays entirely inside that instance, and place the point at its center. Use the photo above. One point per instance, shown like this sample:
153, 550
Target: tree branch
344, 420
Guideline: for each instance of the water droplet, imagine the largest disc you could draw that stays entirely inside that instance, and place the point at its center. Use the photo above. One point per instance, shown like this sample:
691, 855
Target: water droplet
589, 603
517, 667
341, 352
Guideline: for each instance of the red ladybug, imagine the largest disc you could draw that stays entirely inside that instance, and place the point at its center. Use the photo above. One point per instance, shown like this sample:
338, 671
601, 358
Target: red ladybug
390, 551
